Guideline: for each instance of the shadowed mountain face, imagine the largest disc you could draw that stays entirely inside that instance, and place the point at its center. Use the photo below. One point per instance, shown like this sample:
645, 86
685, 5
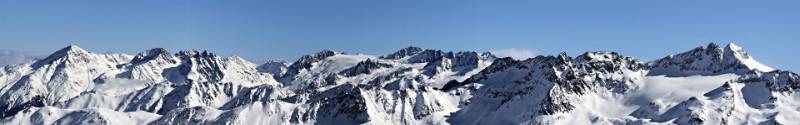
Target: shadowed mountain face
705, 85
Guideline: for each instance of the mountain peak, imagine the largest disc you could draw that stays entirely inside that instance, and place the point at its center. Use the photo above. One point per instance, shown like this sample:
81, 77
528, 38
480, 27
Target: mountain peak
195, 53
563, 56
71, 49
736, 51
712, 45
422, 86
732, 51
405, 52
709, 60
413, 48
319, 55
72, 46
153, 52
732, 45
158, 51
237, 58
150, 55
307, 60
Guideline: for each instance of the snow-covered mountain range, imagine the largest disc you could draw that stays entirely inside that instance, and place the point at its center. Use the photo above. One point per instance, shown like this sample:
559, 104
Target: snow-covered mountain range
705, 85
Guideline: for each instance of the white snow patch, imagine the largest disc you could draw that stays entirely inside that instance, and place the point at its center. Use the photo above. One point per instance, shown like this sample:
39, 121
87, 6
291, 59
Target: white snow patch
516, 53
673, 90
753, 64
51, 115
599, 109
118, 86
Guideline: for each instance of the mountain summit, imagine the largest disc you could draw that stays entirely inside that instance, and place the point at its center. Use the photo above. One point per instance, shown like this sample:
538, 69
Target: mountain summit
710, 60
705, 85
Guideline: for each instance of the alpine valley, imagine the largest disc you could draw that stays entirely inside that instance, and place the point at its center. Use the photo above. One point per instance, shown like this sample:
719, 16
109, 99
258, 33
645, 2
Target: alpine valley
711, 84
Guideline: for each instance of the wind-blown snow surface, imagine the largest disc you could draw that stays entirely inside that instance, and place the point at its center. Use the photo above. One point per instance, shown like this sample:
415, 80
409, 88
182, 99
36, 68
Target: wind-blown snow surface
707, 85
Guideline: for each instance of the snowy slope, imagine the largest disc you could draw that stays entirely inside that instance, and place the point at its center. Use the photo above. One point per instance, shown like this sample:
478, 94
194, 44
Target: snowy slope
710, 60
706, 85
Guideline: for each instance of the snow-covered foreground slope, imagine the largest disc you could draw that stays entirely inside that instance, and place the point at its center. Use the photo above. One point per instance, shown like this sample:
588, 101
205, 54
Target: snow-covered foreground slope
707, 85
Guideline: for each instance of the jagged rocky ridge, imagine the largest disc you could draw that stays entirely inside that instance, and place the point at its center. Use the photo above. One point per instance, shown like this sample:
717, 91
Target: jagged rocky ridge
410, 86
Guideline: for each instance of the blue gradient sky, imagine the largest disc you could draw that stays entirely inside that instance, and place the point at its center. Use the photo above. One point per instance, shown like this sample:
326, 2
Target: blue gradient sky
286, 29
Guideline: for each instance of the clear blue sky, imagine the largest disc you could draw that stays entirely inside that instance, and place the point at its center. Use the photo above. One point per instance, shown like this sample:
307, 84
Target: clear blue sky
286, 29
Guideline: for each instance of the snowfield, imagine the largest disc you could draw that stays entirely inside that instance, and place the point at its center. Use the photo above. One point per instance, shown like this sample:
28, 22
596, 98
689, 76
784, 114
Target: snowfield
705, 85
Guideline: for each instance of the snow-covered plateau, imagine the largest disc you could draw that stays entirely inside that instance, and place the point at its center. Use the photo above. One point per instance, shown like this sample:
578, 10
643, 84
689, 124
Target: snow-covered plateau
705, 85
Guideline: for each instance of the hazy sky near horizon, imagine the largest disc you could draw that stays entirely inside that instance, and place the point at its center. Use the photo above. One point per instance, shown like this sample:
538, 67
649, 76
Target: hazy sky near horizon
286, 29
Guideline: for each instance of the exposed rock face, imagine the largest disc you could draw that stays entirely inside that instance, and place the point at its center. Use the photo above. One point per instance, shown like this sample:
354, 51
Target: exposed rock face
708, 61
544, 86
364, 67
307, 61
410, 86
276, 68
402, 53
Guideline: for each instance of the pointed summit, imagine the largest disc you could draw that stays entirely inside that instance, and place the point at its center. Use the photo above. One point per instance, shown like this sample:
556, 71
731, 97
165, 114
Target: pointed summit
238, 59
714, 51
564, 57
712, 45
71, 51
732, 46
732, 51
738, 52
708, 61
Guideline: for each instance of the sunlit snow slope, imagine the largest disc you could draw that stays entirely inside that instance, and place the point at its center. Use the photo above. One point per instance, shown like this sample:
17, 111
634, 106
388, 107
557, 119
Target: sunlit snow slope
705, 85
